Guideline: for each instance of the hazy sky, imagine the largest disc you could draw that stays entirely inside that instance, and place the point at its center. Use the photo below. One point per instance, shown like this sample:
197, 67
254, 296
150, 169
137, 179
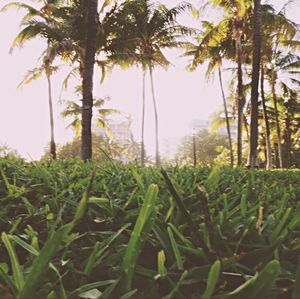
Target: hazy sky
24, 120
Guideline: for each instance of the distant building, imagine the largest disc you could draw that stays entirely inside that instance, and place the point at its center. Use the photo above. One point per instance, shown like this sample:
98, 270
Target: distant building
198, 124
119, 126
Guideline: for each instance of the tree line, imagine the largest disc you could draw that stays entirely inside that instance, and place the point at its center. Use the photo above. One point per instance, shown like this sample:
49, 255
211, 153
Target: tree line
257, 43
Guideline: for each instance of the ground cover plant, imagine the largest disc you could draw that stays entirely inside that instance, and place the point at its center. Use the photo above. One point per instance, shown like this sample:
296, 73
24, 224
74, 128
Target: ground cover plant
71, 229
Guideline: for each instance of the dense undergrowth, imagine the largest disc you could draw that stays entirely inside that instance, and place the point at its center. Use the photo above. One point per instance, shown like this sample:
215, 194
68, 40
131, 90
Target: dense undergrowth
122, 231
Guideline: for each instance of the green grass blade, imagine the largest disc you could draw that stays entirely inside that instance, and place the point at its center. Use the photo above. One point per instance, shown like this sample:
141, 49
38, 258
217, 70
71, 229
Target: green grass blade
41, 262
280, 225
16, 269
175, 289
178, 257
142, 226
259, 285
25, 245
8, 281
128, 294
161, 259
84, 200
138, 179
90, 286
99, 249
212, 280
243, 204
238, 292
181, 237
213, 179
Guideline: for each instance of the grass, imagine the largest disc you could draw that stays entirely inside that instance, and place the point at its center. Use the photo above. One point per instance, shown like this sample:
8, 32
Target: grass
80, 230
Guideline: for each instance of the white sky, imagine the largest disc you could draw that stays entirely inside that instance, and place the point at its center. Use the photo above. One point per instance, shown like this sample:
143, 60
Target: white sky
24, 121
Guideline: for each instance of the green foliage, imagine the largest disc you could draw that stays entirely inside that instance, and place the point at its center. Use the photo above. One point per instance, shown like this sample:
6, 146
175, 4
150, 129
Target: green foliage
207, 148
126, 150
117, 235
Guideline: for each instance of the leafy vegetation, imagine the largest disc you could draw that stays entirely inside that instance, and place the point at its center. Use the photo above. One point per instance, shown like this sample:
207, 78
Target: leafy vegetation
81, 230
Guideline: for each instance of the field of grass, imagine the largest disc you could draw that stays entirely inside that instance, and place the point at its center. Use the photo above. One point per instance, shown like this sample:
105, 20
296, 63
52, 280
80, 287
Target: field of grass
75, 230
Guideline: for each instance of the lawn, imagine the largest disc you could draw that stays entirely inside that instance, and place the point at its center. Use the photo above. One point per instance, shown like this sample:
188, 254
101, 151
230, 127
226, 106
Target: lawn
71, 229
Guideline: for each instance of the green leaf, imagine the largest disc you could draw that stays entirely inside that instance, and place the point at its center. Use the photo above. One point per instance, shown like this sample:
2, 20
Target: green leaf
84, 200
213, 179
128, 294
99, 249
212, 280
259, 285
280, 225
139, 234
41, 262
178, 257
175, 289
16, 269
138, 179
161, 259
7, 279
243, 204
87, 287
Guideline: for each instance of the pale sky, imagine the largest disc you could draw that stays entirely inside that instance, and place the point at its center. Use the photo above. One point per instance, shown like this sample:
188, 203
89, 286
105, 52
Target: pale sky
24, 121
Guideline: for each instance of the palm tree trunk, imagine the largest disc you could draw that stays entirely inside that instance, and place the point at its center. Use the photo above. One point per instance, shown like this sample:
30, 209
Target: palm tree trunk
240, 98
143, 118
288, 140
273, 82
266, 118
246, 127
252, 162
87, 80
52, 140
157, 157
194, 150
227, 119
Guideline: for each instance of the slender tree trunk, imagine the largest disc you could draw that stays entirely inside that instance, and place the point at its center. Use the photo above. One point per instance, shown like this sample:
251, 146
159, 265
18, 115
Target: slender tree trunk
157, 157
266, 118
273, 82
87, 81
227, 119
288, 140
143, 118
246, 127
52, 140
240, 98
194, 150
252, 162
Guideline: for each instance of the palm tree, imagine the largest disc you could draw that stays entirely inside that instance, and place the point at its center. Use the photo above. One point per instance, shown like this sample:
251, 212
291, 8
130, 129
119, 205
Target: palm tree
269, 164
252, 162
91, 28
146, 29
34, 74
73, 110
235, 15
282, 71
40, 22
211, 46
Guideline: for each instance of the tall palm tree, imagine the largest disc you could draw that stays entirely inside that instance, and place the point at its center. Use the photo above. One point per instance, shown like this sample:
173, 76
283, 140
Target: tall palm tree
211, 46
34, 74
269, 164
89, 33
282, 71
235, 14
252, 162
91, 28
40, 22
146, 29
